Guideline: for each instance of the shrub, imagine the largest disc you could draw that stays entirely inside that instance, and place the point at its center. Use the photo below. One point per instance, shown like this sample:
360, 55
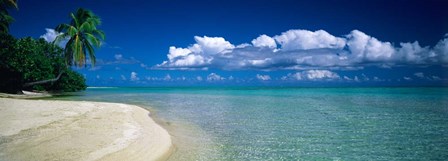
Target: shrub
28, 60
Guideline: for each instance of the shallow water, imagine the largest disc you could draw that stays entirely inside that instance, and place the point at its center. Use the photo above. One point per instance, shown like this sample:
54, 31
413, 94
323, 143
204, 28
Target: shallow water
245, 123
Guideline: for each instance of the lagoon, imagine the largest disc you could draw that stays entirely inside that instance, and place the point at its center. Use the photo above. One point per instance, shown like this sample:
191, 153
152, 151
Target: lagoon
279, 123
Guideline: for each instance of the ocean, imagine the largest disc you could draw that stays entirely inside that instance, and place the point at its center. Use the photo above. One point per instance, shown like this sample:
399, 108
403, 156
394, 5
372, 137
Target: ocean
263, 123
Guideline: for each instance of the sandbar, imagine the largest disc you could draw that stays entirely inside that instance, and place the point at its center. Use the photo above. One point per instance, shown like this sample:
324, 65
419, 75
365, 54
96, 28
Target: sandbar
79, 130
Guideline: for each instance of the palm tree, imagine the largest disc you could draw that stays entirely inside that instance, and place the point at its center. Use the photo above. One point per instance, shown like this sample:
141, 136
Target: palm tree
82, 36
5, 18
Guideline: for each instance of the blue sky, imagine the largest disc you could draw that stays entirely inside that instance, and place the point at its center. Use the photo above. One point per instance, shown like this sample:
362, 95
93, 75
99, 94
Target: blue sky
278, 43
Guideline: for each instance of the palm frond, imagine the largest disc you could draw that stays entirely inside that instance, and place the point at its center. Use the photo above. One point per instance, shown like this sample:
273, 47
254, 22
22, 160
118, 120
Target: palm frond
13, 3
60, 37
92, 39
91, 52
84, 36
86, 27
75, 21
62, 27
99, 33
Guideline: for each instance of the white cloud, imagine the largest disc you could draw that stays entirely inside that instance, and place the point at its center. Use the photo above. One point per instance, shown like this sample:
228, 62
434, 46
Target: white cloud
407, 78
199, 78
419, 74
197, 55
264, 41
190, 60
134, 76
365, 77
321, 74
167, 77
118, 56
347, 78
435, 78
442, 50
302, 50
164, 78
123, 77
313, 75
304, 40
295, 76
365, 47
243, 45
263, 77
51, 35
214, 77
177, 52
414, 53
213, 45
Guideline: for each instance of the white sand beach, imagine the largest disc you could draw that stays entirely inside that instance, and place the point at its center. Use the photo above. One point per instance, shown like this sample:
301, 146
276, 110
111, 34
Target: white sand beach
78, 130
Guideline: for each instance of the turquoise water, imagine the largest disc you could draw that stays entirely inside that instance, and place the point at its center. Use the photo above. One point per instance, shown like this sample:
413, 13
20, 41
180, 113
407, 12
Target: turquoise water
295, 123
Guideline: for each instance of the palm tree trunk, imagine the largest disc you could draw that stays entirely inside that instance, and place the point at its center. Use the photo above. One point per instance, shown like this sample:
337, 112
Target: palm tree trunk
44, 81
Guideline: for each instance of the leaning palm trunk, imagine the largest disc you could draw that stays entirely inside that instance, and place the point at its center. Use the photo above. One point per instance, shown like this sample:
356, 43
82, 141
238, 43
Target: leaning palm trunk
43, 81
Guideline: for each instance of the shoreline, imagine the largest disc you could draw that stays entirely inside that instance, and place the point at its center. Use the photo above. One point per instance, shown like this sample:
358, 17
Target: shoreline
79, 130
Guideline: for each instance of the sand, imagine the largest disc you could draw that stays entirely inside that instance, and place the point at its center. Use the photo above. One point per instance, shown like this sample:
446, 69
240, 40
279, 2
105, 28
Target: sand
75, 130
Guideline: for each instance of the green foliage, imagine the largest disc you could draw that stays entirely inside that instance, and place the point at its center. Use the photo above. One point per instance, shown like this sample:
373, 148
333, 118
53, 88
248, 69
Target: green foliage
83, 37
37, 59
28, 60
70, 81
5, 18
11, 79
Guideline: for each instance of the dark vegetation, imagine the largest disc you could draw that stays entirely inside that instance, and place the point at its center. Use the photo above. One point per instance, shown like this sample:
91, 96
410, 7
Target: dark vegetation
30, 64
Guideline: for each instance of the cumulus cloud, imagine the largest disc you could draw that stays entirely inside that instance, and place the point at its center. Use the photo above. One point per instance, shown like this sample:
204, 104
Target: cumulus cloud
197, 55
264, 41
304, 40
302, 50
442, 50
51, 35
313, 75
214, 77
134, 76
263, 77
366, 48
